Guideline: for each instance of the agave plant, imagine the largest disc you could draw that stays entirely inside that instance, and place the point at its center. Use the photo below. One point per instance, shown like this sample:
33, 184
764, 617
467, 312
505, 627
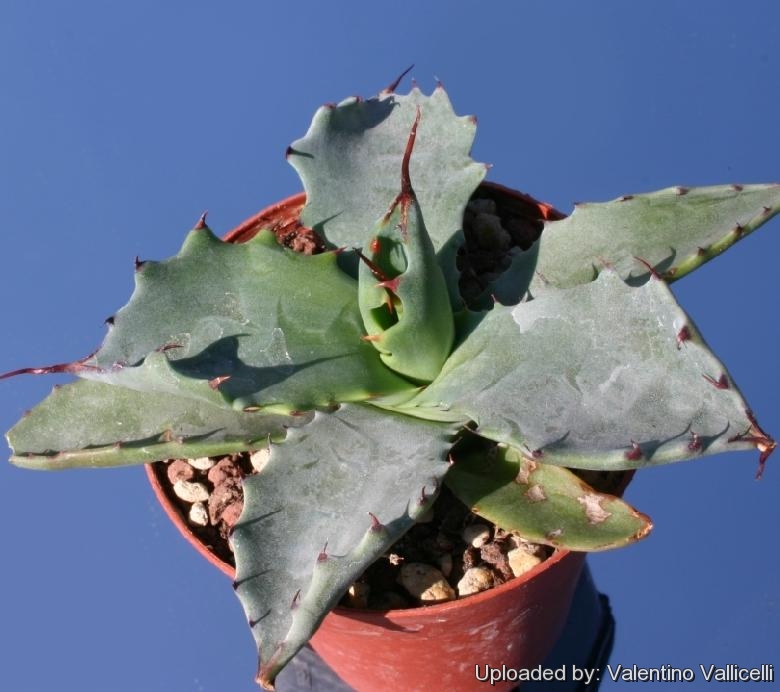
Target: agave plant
364, 370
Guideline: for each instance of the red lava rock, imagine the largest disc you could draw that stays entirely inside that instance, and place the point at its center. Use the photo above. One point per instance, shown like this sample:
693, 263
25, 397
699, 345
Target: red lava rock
470, 557
226, 502
223, 470
492, 554
232, 513
180, 470
304, 241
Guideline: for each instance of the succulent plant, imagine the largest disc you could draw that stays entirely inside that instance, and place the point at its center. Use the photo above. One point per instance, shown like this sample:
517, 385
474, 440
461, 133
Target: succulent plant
370, 378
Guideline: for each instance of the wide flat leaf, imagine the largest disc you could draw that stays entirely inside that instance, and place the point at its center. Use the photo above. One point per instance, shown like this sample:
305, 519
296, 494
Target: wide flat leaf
263, 326
350, 164
674, 230
543, 503
94, 424
306, 532
158, 374
602, 376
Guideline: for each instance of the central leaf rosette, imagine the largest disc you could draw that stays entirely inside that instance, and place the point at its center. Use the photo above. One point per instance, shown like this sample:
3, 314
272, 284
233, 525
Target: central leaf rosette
403, 294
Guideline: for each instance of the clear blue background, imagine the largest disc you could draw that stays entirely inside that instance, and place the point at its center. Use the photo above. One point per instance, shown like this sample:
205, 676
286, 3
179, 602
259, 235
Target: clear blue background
122, 122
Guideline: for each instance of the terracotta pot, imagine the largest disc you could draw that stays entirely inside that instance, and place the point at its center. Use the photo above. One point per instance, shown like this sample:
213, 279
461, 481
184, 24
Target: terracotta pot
435, 647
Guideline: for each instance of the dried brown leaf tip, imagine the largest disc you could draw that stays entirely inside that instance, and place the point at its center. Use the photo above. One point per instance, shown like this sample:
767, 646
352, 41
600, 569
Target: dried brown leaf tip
390, 88
73, 368
763, 442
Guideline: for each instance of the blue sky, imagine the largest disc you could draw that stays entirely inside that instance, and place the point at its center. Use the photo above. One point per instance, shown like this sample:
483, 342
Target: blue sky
122, 122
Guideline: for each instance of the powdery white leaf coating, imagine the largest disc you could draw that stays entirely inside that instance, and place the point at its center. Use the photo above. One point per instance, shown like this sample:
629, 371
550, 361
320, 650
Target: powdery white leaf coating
592, 377
311, 511
675, 230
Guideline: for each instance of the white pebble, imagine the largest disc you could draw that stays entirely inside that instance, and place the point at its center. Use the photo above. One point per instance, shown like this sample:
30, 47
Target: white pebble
520, 561
202, 463
357, 595
534, 548
474, 580
199, 515
425, 583
260, 458
191, 492
476, 535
